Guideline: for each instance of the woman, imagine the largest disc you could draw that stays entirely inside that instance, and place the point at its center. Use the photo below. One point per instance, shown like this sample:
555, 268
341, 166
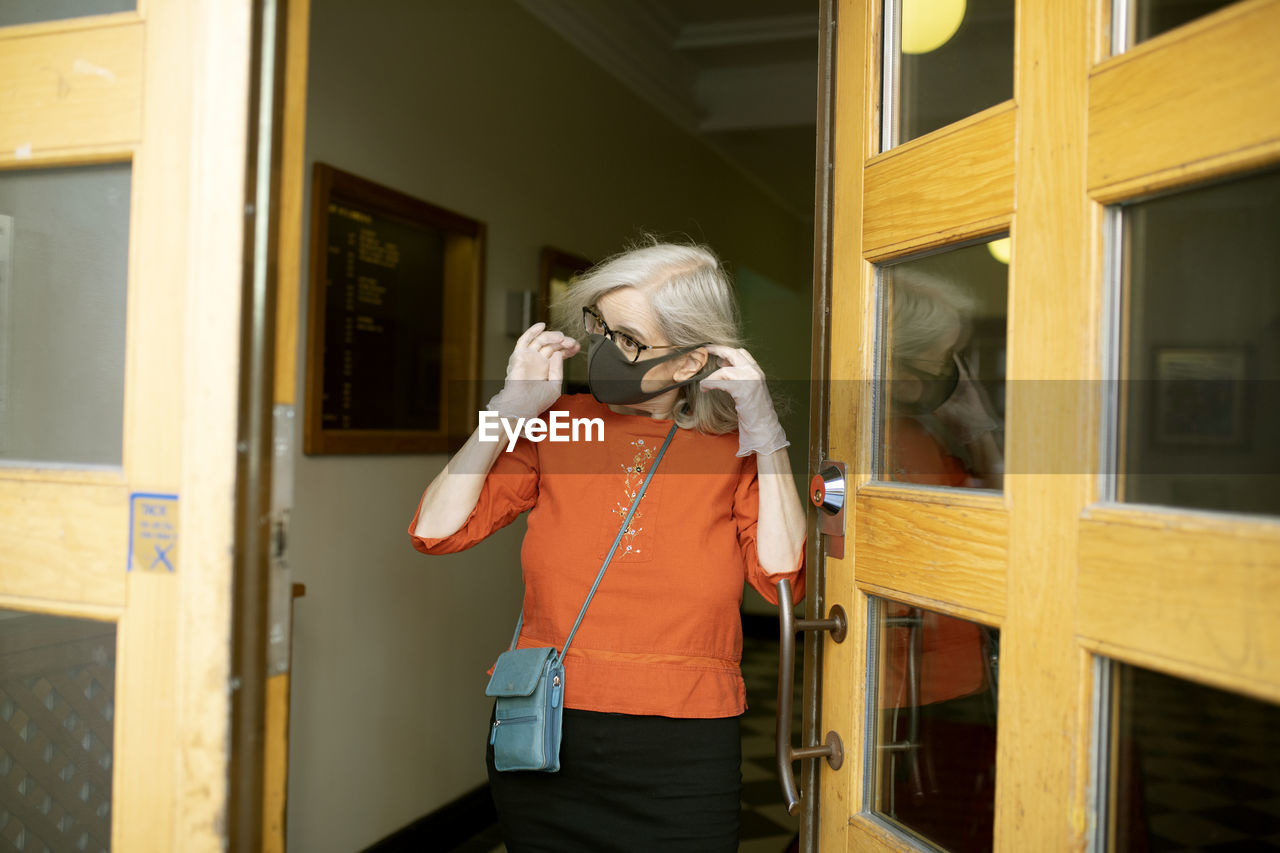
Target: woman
943, 430
653, 691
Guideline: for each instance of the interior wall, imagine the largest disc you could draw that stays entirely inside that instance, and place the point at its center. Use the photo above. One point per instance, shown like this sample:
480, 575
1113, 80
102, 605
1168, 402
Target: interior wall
776, 322
476, 107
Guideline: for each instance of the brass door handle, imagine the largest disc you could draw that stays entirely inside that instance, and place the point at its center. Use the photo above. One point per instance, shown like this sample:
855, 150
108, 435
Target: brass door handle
833, 748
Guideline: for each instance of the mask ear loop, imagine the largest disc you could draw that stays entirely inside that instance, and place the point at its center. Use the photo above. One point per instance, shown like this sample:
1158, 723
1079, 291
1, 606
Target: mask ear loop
695, 382
702, 373
711, 365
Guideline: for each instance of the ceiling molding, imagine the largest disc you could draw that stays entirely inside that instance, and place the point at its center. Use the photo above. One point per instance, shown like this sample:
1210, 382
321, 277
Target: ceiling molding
736, 83
753, 31
632, 41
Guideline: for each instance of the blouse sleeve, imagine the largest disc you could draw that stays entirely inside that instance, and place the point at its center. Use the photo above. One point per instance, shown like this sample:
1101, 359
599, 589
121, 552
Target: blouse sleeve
746, 514
510, 489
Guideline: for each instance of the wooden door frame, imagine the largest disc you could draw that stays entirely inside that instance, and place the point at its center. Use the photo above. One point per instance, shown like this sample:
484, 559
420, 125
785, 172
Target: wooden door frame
811, 726
254, 522
289, 253
844, 374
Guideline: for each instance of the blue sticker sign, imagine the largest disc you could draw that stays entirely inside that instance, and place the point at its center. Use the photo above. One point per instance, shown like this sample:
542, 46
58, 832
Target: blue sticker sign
153, 532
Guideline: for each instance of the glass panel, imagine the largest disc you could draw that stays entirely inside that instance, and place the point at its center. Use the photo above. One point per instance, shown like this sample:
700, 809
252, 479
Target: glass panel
14, 12
1199, 419
944, 368
57, 701
944, 60
63, 265
935, 732
1150, 18
1193, 768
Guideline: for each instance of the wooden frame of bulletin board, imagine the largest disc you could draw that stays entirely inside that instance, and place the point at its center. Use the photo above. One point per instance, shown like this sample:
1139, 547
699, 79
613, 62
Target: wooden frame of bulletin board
394, 320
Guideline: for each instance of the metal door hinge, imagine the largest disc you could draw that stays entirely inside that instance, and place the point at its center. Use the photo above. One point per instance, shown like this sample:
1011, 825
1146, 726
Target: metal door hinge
279, 636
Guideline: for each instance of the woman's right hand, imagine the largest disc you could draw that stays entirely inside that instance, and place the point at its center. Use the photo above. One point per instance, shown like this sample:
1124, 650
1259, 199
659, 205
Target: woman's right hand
535, 372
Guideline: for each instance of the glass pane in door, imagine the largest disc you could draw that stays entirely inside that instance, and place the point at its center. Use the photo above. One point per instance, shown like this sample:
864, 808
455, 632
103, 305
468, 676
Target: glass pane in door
57, 706
935, 725
943, 357
943, 60
1150, 18
1192, 767
1200, 412
64, 250
14, 12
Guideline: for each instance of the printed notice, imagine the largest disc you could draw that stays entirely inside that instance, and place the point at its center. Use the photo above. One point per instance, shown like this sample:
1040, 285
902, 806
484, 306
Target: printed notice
383, 321
153, 532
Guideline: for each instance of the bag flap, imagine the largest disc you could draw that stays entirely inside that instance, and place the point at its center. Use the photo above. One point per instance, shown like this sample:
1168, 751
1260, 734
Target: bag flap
516, 672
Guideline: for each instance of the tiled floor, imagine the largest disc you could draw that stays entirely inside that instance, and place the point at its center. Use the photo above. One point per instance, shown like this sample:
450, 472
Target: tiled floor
1207, 769
766, 826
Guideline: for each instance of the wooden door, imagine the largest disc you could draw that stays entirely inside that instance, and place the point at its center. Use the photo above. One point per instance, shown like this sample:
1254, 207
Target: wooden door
136, 174
1123, 542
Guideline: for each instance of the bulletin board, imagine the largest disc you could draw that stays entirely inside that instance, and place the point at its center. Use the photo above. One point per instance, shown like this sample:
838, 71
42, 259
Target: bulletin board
394, 317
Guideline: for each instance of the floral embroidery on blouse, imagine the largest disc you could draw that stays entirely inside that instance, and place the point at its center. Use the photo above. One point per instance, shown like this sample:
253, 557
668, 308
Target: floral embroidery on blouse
635, 473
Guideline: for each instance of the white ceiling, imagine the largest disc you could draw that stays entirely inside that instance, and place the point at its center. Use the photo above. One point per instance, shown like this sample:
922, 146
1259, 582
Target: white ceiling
739, 74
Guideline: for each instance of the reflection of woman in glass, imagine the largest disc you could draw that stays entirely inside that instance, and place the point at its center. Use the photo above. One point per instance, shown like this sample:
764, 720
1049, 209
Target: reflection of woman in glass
943, 431
937, 681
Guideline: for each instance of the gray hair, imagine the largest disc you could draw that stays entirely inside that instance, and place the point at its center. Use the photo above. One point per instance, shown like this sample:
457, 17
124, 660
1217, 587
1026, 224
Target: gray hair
693, 303
925, 308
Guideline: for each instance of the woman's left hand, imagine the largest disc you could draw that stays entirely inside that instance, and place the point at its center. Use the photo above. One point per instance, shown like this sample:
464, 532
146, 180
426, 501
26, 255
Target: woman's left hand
742, 379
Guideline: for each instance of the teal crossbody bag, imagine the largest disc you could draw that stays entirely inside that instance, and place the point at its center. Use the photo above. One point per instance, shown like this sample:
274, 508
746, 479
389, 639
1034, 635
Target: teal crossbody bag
528, 684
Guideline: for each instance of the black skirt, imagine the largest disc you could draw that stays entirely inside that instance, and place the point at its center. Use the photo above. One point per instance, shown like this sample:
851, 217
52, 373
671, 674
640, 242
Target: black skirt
627, 783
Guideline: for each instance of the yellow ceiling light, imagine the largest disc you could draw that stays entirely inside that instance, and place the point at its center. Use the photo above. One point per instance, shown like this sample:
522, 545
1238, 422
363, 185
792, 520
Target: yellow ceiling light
929, 24
999, 249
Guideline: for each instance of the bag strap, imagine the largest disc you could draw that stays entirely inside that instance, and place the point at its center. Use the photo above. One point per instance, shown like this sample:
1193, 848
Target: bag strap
626, 522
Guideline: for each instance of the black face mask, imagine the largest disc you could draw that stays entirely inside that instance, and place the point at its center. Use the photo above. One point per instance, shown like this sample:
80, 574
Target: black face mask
935, 389
617, 381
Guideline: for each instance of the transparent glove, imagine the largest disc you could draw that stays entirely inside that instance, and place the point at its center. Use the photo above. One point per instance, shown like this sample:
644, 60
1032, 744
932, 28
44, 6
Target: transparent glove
535, 373
742, 379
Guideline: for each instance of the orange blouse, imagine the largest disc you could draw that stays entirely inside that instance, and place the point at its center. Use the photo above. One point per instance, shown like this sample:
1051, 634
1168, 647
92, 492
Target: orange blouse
663, 634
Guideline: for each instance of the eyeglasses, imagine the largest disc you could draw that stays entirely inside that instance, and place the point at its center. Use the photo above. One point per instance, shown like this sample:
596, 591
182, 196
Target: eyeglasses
629, 346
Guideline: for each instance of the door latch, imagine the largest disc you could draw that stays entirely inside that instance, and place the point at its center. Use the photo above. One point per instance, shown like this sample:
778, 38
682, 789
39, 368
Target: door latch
827, 493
